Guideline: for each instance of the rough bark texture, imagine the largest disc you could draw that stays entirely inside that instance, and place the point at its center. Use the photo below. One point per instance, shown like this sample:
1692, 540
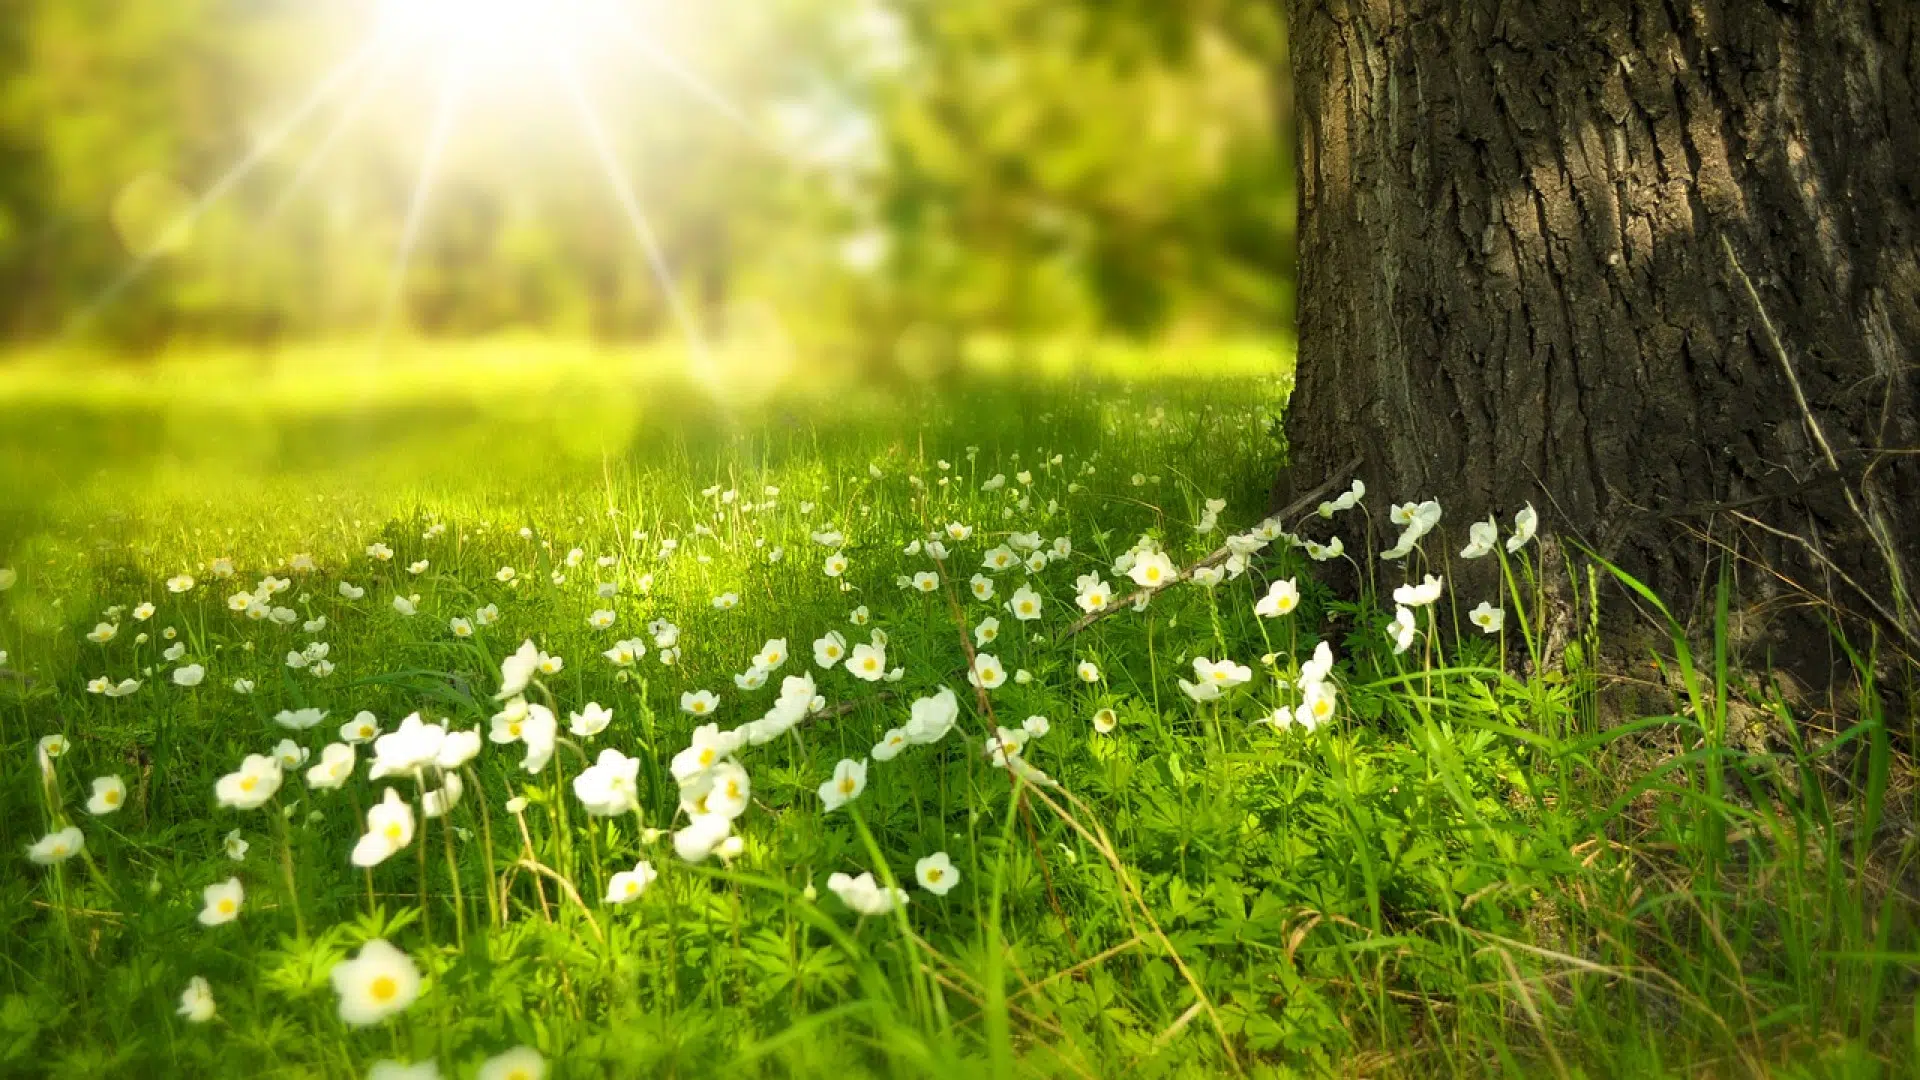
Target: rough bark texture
1520, 227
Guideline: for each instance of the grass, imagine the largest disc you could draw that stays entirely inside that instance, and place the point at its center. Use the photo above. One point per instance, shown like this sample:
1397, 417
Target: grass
1498, 857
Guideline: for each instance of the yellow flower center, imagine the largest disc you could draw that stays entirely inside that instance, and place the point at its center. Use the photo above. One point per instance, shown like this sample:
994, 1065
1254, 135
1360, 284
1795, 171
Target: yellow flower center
110, 797
393, 832
733, 789
513, 730
935, 874
633, 887
846, 786
384, 988
1321, 708
699, 706
706, 756
248, 783
226, 907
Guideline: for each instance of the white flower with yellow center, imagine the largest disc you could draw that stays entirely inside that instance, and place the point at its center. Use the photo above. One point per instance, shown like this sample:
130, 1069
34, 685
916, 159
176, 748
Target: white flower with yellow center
389, 830
109, 795
698, 702
57, 846
379, 982
249, 787
1282, 597
1025, 604
222, 902
868, 662
1488, 618
987, 672
1151, 570
829, 649
628, 885
849, 780
936, 873
982, 587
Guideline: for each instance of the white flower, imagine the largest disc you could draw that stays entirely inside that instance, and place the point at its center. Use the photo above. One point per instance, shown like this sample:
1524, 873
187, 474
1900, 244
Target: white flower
698, 702
196, 1001
1481, 536
457, 748
751, 679
601, 619
608, 787
958, 532
590, 722
413, 746
54, 746
1151, 569
291, 754
984, 633
222, 902
936, 873
142, 614
519, 1063
726, 601
379, 982
868, 662
389, 829
243, 686
987, 673
405, 605
1222, 673
1105, 720
1282, 597
629, 884
334, 768
835, 565
1201, 691
771, 655
461, 627
57, 846
249, 787
189, 676
625, 653
1420, 595
1036, 726
890, 744
109, 795
488, 615
702, 834
102, 633
926, 581
1524, 524
1316, 707
517, 670
830, 649
982, 587
1088, 671
849, 780
350, 591
864, 895
1333, 549
1094, 594
362, 728
1319, 667
930, 718
1487, 617
1401, 630
1025, 604
859, 616
235, 845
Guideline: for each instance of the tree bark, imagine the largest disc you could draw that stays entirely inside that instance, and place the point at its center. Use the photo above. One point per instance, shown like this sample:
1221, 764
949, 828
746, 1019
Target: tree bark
1619, 258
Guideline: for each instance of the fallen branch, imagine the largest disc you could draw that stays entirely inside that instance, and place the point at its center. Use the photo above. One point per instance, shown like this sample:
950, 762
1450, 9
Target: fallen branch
1337, 478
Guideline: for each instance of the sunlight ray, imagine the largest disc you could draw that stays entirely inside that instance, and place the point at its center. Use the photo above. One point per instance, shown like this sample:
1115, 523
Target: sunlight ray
445, 111
325, 90
342, 123
623, 192
691, 80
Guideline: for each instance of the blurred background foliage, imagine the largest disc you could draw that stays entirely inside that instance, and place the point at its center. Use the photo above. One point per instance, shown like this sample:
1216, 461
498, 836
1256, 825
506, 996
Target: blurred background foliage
872, 177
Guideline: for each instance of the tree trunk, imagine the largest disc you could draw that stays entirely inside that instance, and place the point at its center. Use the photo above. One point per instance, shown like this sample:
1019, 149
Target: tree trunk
1650, 265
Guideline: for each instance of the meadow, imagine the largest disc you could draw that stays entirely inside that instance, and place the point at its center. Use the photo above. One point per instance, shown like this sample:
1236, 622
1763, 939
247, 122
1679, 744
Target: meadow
516, 713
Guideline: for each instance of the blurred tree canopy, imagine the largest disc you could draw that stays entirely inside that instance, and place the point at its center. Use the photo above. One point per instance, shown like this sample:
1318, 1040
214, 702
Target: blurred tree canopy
854, 173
